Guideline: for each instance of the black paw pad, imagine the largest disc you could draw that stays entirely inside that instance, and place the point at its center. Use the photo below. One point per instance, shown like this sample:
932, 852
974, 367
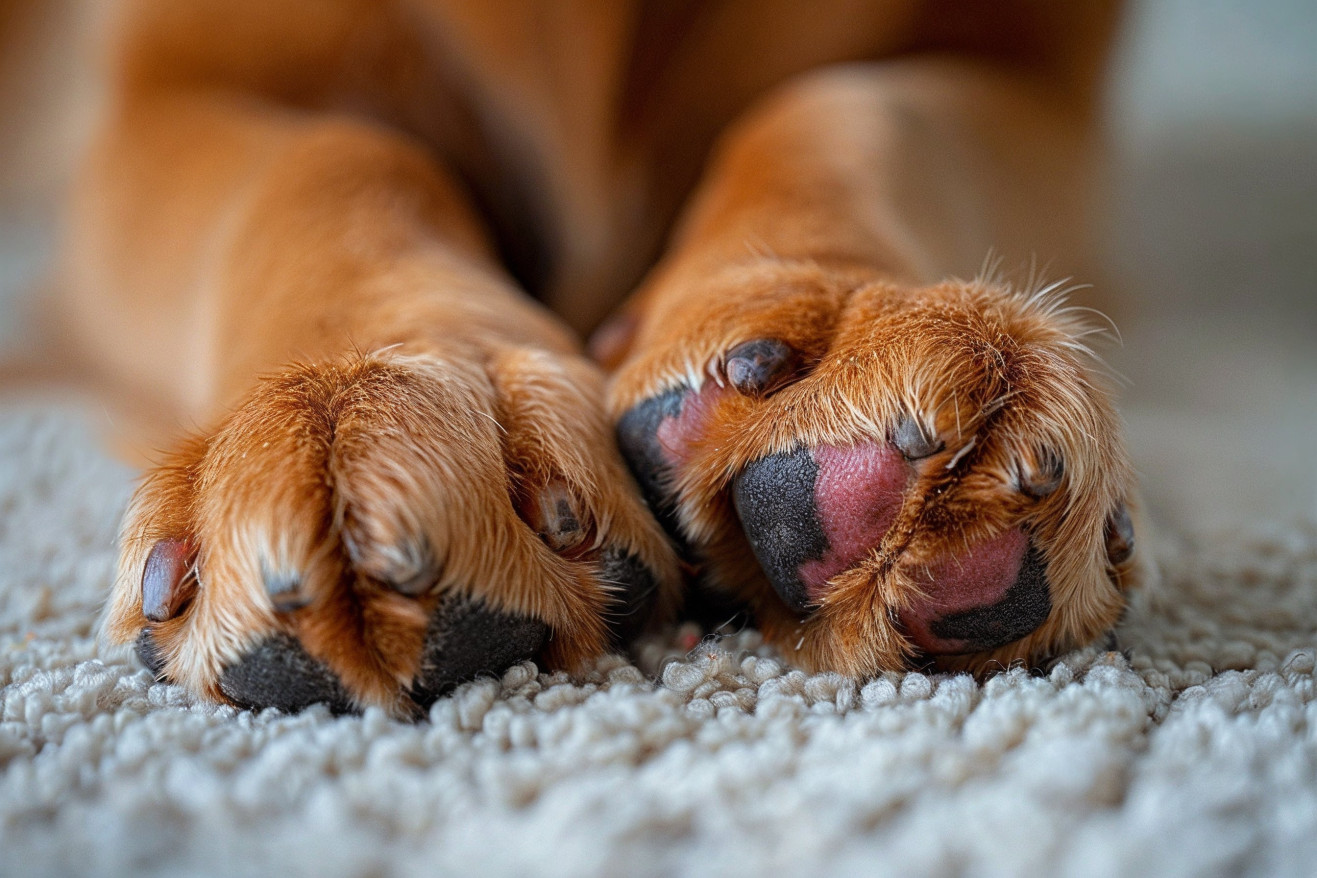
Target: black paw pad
635, 598
278, 672
466, 639
774, 498
1024, 606
638, 439
148, 653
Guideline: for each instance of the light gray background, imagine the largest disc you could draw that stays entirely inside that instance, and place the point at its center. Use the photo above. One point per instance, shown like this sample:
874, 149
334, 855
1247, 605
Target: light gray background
1213, 238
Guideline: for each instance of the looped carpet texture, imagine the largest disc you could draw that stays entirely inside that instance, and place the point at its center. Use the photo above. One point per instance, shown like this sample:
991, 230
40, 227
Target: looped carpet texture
1192, 750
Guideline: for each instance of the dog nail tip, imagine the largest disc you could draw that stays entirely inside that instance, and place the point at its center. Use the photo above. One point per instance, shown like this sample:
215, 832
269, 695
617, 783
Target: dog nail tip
415, 586
410, 568
1120, 535
1039, 488
756, 367
165, 580
553, 515
914, 441
1045, 478
150, 654
285, 591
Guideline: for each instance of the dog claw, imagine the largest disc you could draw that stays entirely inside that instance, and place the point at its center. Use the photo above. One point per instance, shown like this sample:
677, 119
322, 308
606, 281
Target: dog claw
1045, 479
415, 575
415, 585
912, 440
166, 581
555, 519
408, 567
1120, 535
550, 511
757, 367
285, 591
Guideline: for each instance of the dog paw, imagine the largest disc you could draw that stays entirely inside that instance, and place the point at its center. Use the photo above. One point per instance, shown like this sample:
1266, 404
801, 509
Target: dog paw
886, 477
375, 531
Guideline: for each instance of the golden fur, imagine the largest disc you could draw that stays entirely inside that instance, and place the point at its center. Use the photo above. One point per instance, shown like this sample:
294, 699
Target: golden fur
305, 225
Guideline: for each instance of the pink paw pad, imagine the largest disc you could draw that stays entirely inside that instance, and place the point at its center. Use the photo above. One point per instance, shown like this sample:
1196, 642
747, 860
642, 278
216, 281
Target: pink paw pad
810, 514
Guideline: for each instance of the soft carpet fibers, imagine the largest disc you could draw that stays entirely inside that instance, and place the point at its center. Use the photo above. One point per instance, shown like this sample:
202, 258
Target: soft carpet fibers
1197, 754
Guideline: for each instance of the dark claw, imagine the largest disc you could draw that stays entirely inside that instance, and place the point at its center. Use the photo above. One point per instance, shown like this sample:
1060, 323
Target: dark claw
566, 528
637, 597
278, 672
466, 639
285, 591
409, 569
912, 441
1046, 479
552, 514
416, 584
774, 498
166, 583
148, 653
758, 367
1120, 535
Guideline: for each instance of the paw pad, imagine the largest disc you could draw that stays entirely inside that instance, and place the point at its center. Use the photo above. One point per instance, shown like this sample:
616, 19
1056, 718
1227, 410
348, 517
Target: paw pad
640, 435
466, 639
774, 498
1023, 607
278, 672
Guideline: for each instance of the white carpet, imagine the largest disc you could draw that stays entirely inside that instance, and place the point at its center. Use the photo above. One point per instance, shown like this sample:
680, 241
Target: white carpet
1197, 755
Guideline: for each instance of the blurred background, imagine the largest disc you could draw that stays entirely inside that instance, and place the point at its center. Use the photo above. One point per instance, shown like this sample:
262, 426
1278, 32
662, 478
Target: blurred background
1210, 240
1212, 245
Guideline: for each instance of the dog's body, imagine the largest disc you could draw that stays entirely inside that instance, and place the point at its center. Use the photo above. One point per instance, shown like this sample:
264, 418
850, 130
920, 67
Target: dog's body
304, 226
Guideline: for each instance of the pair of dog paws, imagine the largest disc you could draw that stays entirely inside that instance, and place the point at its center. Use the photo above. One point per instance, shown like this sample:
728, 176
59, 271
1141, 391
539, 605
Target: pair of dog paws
883, 477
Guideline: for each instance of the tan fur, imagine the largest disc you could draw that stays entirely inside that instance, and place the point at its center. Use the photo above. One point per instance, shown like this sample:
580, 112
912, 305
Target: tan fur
295, 229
